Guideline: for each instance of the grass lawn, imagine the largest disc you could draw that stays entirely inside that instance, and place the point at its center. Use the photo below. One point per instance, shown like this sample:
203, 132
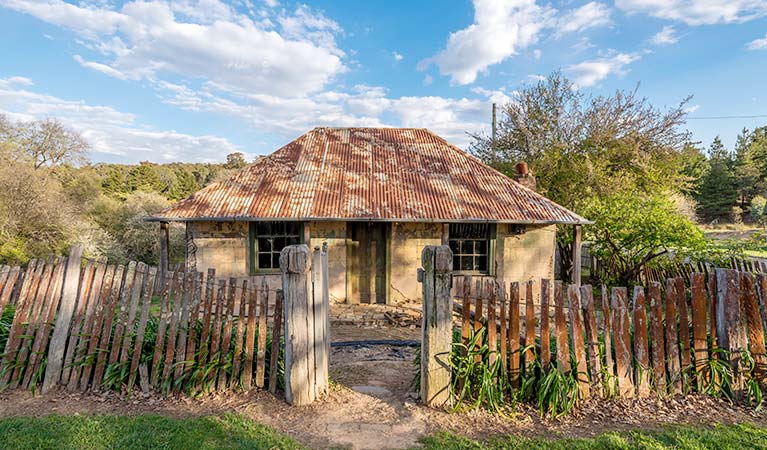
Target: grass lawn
138, 432
719, 437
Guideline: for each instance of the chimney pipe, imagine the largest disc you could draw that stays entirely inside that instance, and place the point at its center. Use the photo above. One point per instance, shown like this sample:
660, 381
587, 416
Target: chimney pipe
522, 175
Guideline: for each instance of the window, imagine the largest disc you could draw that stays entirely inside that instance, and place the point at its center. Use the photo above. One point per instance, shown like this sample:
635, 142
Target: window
470, 243
267, 239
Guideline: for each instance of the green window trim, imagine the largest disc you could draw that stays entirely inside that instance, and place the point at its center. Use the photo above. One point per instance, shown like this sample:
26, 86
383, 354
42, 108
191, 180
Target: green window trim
473, 245
266, 239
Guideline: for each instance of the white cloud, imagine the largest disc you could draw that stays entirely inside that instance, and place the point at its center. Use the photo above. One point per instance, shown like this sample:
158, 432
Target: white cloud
428, 80
697, 12
205, 40
103, 68
536, 77
758, 44
666, 36
501, 28
590, 15
397, 56
691, 109
537, 53
113, 135
589, 73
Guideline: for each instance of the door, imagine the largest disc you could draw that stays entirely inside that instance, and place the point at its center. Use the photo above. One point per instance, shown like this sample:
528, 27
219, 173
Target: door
366, 262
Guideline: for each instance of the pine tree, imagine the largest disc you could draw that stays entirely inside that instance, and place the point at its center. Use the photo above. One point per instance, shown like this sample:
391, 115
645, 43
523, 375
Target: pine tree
718, 191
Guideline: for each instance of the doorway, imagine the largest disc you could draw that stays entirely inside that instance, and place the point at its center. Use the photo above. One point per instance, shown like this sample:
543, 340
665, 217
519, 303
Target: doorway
366, 255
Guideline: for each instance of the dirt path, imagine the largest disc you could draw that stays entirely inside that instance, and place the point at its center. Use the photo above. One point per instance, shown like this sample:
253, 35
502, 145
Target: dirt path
371, 406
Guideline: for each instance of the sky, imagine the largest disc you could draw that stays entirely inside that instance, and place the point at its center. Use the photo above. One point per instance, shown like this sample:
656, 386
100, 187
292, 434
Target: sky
192, 81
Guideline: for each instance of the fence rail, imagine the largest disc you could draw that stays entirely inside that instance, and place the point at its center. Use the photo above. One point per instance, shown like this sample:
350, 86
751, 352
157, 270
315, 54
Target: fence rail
659, 339
86, 325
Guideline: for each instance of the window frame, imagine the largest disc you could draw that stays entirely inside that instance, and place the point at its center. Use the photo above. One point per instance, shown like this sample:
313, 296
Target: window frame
253, 244
492, 234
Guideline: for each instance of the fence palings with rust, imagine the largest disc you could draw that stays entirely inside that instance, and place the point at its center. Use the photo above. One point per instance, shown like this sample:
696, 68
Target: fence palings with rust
103, 328
659, 338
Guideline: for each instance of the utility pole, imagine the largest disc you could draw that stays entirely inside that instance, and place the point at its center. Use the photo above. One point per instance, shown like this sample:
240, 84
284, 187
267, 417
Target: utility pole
492, 142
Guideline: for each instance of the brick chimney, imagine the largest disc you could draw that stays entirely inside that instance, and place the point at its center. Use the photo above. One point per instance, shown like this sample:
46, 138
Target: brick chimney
523, 176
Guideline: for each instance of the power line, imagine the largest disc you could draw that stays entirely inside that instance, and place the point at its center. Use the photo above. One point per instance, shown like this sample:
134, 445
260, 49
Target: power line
757, 116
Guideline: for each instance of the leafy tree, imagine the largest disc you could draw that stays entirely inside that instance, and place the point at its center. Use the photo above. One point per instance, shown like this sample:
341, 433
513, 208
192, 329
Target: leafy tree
45, 142
718, 191
144, 177
631, 229
235, 160
758, 212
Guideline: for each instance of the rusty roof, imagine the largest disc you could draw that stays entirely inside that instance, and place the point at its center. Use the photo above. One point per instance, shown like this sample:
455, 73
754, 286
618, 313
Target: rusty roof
370, 174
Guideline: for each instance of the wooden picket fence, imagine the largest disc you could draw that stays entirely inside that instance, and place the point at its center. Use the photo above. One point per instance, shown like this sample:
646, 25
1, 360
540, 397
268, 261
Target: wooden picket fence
86, 325
659, 340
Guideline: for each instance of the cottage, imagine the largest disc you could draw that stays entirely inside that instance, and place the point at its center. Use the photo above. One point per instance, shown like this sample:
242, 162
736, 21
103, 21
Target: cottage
376, 196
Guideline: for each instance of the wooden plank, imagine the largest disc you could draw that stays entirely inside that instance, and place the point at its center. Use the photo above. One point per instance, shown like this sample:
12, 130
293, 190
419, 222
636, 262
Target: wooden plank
514, 338
576, 334
215, 334
162, 325
226, 333
299, 372
320, 313
592, 335
492, 330
560, 329
147, 291
699, 324
28, 329
761, 290
263, 311
755, 330
195, 310
123, 303
130, 323
13, 278
83, 339
656, 339
673, 363
52, 298
610, 387
529, 327
684, 325
170, 348
63, 319
622, 342
731, 331
98, 322
23, 306
207, 316
545, 325
504, 339
466, 313
641, 346
236, 378
712, 299
276, 345
74, 333
179, 369
250, 339
106, 331
479, 303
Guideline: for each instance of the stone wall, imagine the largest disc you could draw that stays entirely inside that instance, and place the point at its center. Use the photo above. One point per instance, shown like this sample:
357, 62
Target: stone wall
525, 256
334, 233
405, 247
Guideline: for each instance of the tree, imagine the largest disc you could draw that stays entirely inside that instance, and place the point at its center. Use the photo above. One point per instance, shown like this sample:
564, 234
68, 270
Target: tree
583, 148
633, 229
718, 192
235, 160
45, 142
758, 212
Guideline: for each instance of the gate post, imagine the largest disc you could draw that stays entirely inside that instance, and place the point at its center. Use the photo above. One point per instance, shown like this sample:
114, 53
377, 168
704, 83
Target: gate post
437, 327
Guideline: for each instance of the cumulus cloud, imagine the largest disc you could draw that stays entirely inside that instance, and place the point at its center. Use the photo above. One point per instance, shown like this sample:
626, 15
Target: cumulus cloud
204, 40
397, 56
590, 15
697, 12
589, 73
758, 44
666, 36
113, 135
103, 68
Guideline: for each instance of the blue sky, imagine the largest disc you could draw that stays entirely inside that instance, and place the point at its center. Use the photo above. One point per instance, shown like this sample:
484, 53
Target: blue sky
195, 80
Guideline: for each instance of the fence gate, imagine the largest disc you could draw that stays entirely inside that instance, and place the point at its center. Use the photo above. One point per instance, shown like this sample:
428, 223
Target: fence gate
307, 322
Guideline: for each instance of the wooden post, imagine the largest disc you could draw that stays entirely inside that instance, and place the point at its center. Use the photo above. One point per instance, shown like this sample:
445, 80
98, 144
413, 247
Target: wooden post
755, 330
641, 351
545, 325
592, 335
295, 262
577, 331
577, 255
730, 330
321, 312
164, 254
61, 329
560, 329
437, 328
699, 341
656, 339
622, 341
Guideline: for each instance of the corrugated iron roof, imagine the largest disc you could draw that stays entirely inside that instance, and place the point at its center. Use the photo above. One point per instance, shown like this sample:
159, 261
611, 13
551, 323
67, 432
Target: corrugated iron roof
376, 174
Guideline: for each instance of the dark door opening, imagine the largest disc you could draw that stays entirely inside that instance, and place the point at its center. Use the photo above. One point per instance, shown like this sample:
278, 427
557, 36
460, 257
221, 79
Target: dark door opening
366, 276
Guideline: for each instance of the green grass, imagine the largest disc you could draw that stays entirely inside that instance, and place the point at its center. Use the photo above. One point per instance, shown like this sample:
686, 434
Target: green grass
138, 432
718, 437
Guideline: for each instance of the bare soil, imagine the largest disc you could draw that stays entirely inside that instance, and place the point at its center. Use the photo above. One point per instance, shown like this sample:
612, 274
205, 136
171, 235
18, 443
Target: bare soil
371, 406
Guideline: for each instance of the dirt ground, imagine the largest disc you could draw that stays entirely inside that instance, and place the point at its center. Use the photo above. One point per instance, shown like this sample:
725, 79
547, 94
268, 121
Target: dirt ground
371, 406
